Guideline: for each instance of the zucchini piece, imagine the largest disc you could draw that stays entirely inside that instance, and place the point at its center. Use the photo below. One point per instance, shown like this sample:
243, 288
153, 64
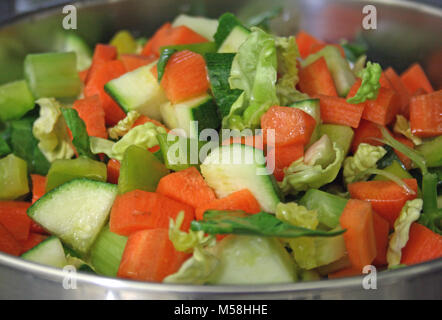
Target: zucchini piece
202, 110
49, 252
138, 90
234, 167
230, 34
75, 211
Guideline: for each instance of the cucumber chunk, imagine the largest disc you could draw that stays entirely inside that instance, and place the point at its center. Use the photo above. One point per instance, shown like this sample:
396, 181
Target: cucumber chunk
49, 252
75, 211
204, 26
234, 167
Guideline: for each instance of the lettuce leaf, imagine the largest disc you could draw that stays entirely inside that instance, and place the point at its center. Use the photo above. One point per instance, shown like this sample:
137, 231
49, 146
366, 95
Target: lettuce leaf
297, 215
123, 126
409, 214
100, 145
287, 53
254, 70
50, 130
365, 158
300, 176
369, 88
402, 126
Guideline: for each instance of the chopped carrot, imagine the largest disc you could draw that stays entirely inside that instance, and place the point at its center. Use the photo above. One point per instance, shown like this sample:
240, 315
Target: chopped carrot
423, 245
33, 240
138, 210
360, 239
343, 273
337, 110
98, 77
14, 218
384, 81
386, 197
283, 157
143, 119
396, 84
38, 186
168, 35
91, 112
319, 46
102, 53
8, 243
185, 76
426, 115
83, 75
187, 186
135, 61
253, 141
367, 132
414, 78
113, 171
305, 41
316, 79
239, 200
383, 110
290, 125
149, 255
381, 230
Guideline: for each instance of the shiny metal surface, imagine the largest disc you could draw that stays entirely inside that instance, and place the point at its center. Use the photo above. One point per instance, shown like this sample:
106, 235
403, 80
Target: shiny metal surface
406, 32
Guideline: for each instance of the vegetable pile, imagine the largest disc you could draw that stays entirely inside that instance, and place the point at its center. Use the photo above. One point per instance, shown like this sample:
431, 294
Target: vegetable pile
344, 170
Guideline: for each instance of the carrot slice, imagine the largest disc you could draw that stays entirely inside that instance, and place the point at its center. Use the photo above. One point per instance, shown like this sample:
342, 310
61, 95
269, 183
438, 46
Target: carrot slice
360, 239
336, 110
284, 156
426, 115
347, 272
305, 41
113, 171
14, 218
33, 240
98, 77
414, 78
381, 230
386, 197
139, 210
38, 186
187, 186
423, 245
185, 76
316, 79
367, 132
291, 125
134, 61
168, 35
91, 112
102, 53
149, 255
396, 84
239, 200
8, 243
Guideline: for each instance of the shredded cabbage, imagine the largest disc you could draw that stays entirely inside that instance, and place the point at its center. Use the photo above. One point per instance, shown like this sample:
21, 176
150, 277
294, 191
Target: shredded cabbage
365, 158
409, 214
51, 131
123, 126
402, 126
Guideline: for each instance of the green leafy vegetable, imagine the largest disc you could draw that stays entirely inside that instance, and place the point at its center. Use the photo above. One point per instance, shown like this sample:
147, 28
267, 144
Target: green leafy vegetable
365, 158
300, 177
287, 53
402, 126
260, 224
100, 145
320, 153
297, 215
79, 134
162, 61
409, 214
354, 50
389, 157
254, 70
369, 88
4, 147
123, 126
51, 131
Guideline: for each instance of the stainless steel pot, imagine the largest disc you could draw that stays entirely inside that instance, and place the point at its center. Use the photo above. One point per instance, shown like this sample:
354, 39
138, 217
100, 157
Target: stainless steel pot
406, 32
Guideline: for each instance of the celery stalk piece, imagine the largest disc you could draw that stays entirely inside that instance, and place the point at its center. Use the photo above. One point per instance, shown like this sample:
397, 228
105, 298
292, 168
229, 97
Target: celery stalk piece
431, 150
53, 74
107, 251
72, 42
15, 100
328, 206
62, 171
341, 135
13, 177
140, 169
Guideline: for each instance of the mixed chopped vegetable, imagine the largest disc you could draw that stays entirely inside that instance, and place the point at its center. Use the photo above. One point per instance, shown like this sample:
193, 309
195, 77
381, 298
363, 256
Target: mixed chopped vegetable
114, 160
